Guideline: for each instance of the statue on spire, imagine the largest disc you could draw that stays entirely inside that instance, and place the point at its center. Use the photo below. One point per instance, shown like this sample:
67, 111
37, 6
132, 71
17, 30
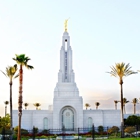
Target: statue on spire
65, 24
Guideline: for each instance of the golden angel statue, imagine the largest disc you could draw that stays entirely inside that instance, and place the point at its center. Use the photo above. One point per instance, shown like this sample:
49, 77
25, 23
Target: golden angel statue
65, 24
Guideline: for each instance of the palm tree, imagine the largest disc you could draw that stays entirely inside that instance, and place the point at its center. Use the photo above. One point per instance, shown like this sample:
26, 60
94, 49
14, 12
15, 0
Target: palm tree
121, 70
87, 105
115, 101
10, 73
26, 104
97, 104
135, 101
21, 60
37, 105
124, 102
6, 103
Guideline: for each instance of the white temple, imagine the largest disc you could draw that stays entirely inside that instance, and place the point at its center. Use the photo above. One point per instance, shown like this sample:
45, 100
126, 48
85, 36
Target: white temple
67, 109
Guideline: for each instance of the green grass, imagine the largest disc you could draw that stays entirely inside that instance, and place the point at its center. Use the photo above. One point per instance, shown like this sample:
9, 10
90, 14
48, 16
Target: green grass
122, 139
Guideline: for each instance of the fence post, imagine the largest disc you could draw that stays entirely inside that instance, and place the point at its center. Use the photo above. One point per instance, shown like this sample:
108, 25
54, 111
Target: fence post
93, 131
63, 132
136, 128
78, 133
49, 133
3, 133
33, 133
107, 132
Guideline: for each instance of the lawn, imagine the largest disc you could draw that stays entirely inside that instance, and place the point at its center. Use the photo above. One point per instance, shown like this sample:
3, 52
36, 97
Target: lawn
123, 139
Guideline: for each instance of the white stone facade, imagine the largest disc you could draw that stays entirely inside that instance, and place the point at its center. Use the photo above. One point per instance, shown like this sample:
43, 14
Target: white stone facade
67, 109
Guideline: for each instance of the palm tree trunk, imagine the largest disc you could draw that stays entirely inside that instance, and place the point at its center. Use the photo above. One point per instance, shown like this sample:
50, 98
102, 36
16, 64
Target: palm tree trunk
134, 108
5, 110
122, 116
124, 108
115, 106
20, 102
11, 107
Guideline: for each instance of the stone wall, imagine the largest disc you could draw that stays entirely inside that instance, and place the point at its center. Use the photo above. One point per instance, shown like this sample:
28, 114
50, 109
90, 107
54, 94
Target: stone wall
102, 117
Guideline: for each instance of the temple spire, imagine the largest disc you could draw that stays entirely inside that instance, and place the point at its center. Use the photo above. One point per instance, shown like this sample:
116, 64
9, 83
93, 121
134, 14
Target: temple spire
66, 73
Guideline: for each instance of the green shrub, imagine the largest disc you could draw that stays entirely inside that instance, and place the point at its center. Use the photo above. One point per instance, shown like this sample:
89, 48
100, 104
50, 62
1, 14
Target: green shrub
23, 131
41, 137
132, 120
113, 130
6, 131
45, 131
35, 130
130, 130
100, 129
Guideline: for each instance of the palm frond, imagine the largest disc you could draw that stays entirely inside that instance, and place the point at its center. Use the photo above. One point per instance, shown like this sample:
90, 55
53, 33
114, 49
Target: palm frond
16, 76
26, 104
125, 101
3, 73
14, 59
29, 67
23, 60
97, 103
87, 105
115, 101
10, 71
135, 101
121, 70
6, 102
27, 59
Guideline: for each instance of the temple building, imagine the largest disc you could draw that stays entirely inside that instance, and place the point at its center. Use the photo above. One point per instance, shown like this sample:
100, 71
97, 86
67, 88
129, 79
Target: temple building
67, 109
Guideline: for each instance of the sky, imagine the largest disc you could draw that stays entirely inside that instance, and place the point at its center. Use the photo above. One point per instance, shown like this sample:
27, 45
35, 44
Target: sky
102, 33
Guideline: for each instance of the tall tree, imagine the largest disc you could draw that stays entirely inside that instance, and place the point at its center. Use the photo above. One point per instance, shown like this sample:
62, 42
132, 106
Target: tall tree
97, 105
10, 73
26, 104
135, 101
115, 101
121, 70
22, 61
6, 103
5, 122
87, 105
37, 105
125, 101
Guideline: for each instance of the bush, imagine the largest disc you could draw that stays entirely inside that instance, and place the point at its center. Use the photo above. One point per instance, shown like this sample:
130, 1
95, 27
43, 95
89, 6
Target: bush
45, 131
5, 131
113, 130
35, 130
132, 120
43, 137
130, 130
100, 129
23, 131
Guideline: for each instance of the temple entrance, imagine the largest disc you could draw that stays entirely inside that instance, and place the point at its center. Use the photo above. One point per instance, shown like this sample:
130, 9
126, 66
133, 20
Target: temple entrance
68, 119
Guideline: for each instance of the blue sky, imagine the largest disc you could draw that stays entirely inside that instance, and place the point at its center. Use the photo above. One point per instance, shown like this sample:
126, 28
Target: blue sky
102, 32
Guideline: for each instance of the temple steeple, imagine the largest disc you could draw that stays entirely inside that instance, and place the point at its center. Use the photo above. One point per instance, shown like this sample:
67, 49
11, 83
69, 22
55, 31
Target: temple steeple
66, 85
66, 94
66, 72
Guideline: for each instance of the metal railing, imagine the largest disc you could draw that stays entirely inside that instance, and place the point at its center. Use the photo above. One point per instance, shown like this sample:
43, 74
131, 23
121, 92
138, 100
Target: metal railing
78, 133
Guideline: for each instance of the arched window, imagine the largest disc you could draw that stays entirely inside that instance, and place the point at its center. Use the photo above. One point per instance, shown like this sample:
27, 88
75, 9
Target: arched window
67, 119
90, 122
45, 123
